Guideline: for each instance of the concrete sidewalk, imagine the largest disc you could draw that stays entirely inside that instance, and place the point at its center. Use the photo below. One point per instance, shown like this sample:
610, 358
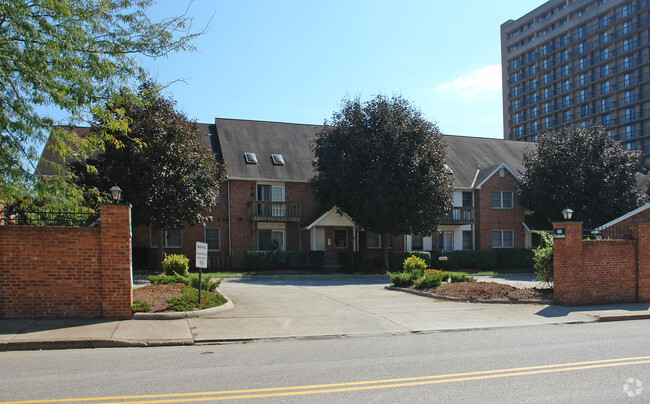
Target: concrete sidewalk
305, 307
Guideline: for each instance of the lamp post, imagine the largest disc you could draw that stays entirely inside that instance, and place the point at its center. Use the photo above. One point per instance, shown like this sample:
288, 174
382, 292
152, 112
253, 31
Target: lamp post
567, 214
116, 193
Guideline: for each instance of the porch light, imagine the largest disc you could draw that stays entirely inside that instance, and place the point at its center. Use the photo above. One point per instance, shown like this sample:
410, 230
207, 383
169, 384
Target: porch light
567, 214
116, 193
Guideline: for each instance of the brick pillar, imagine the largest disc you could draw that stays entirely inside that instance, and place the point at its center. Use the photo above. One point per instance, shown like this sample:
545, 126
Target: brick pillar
2, 213
567, 264
116, 261
641, 232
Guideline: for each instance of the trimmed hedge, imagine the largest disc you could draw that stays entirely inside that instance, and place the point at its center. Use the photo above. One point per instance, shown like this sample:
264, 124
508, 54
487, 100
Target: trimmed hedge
519, 258
316, 260
465, 259
344, 260
275, 259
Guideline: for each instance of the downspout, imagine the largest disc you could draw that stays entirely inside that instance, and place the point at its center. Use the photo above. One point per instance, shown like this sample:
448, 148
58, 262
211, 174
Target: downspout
229, 224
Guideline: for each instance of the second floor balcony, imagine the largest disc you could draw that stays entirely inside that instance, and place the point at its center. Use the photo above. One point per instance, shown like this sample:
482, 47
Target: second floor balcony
458, 216
267, 211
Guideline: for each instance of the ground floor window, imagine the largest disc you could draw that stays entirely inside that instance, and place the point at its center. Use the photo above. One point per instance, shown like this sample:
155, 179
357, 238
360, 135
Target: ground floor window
417, 242
444, 240
503, 239
212, 237
270, 239
467, 240
172, 237
341, 238
373, 240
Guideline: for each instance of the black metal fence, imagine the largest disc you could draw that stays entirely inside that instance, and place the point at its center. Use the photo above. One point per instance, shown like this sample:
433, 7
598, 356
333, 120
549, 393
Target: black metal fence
48, 217
610, 233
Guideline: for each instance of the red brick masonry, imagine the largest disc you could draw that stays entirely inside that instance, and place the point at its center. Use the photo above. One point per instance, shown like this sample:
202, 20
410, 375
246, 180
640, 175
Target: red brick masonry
68, 272
601, 271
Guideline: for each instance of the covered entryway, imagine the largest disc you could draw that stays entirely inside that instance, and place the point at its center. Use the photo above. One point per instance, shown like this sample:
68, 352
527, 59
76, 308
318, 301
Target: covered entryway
336, 234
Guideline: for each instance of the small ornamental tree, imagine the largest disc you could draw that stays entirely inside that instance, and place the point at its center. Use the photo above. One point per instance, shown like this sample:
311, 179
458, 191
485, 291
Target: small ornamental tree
581, 169
383, 164
164, 171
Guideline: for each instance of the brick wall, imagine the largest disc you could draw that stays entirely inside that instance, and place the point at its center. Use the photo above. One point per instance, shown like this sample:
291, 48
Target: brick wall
488, 219
601, 271
67, 272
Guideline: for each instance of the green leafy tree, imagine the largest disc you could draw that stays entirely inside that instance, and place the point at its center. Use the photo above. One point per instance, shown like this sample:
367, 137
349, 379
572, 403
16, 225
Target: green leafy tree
68, 55
581, 169
383, 164
164, 171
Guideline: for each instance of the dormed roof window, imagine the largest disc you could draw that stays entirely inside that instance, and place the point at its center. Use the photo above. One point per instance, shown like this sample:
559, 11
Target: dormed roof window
250, 158
278, 160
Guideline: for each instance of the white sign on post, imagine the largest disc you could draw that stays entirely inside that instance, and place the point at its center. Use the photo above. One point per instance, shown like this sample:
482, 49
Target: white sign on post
201, 255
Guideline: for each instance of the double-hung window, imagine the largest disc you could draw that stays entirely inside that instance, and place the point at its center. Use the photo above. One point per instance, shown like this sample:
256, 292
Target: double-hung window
503, 239
502, 199
172, 238
212, 237
374, 240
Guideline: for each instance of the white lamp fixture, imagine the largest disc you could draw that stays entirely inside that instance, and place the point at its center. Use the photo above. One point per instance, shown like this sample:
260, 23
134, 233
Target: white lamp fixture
567, 214
116, 192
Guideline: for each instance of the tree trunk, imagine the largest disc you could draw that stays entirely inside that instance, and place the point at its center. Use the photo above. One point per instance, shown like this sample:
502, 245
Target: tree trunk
384, 250
160, 250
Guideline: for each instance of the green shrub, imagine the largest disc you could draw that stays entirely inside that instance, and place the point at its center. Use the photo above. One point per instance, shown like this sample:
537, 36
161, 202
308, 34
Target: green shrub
517, 258
350, 261
402, 279
455, 278
397, 258
176, 264
163, 279
189, 300
543, 258
207, 283
140, 306
426, 282
296, 259
414, 263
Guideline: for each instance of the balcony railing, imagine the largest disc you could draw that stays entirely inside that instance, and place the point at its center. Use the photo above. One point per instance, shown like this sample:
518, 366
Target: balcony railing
458, 216
265, 211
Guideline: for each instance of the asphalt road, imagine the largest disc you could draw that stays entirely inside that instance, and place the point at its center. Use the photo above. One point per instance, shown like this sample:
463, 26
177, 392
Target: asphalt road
577, 363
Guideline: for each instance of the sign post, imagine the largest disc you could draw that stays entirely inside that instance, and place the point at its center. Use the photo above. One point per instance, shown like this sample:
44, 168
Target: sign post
201, 262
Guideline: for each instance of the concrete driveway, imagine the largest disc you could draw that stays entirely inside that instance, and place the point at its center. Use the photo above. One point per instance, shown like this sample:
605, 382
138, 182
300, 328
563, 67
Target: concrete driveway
313, 307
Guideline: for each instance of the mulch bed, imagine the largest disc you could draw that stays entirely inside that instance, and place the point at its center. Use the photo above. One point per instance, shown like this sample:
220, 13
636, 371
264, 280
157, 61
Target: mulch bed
491, 290
158, 296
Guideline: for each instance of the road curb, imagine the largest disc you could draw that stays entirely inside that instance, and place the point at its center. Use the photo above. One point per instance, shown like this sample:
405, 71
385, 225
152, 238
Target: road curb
467, 300
622, 317
89, 344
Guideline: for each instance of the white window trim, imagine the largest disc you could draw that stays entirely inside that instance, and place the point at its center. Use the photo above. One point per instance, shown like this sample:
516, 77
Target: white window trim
380, 243
512, 199
503, 231
151, 239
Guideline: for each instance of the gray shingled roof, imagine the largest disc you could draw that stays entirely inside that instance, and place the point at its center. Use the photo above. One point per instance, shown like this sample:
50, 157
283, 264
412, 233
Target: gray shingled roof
466, 155
294, 141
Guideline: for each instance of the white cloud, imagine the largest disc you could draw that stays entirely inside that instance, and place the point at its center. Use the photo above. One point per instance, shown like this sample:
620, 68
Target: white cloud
484, 82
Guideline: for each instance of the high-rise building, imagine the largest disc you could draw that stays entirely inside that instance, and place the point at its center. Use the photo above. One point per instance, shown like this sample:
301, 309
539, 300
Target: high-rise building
578, 62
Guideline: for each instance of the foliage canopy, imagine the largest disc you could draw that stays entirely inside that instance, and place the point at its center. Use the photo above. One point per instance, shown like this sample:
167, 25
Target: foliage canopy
164, 171
383, 164
582, 169
68, 55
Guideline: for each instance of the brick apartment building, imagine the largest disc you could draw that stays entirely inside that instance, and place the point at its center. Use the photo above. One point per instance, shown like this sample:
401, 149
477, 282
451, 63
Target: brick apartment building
266, 201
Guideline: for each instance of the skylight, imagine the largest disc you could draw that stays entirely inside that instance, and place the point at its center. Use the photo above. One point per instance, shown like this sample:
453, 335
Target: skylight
250, 158
278, 160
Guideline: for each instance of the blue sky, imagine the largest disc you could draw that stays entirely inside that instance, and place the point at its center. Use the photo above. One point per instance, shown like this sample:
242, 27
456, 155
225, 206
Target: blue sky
293, 61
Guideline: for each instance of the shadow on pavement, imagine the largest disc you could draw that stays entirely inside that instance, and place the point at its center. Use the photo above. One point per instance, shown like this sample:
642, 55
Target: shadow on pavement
563, 311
